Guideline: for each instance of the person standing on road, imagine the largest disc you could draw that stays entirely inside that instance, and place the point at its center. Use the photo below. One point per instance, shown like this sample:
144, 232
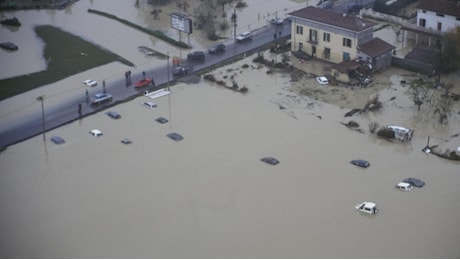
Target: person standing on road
79, 109
103, 86
87, 96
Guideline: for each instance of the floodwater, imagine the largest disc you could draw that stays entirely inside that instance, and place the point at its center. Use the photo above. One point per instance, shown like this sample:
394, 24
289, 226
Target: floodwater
210, 196
119, 38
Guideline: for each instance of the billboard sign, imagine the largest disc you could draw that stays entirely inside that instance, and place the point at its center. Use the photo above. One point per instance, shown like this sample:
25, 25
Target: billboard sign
181, 23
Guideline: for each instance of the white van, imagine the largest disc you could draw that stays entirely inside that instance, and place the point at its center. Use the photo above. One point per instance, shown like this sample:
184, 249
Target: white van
404, 186
367, 207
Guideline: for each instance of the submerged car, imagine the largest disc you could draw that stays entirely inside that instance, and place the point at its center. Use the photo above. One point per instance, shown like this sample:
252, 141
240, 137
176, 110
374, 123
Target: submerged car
404, 186
361, 163
161, 120
113, 114
149, 104
126, 141
175, 136
367, 207
90, 83
57, 139
322, 80
415, 182
100, 97
95, 132
220, 47
270, 160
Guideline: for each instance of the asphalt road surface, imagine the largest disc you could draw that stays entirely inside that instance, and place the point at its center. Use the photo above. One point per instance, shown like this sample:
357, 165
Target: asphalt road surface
67, 111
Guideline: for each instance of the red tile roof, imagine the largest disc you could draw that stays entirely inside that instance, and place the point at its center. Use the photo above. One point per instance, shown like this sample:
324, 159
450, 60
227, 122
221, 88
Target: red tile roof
441, 6
344, 21
376, 47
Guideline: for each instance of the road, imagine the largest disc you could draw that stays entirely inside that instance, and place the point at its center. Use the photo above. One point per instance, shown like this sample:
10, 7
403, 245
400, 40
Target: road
67, 111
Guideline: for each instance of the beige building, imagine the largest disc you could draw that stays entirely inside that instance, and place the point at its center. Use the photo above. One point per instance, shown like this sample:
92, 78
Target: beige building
328, 35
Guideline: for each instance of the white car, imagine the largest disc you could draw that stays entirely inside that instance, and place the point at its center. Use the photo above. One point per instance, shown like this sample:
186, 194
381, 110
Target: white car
149, 104
244, 37
322, 80
90, 83
367, 207
404, 186
277, 21
95, 132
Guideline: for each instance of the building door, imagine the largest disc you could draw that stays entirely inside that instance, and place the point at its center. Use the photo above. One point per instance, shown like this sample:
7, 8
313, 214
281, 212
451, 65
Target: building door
313, 51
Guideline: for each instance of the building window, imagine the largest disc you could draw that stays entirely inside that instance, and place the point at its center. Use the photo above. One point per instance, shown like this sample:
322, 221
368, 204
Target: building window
327, 37
299, 29
346, 56
422, 22
327, 53
313, 34
347, 42
440, 15
439, 26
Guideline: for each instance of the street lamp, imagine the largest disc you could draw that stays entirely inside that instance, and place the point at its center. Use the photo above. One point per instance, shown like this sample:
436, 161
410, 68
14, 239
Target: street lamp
42, 99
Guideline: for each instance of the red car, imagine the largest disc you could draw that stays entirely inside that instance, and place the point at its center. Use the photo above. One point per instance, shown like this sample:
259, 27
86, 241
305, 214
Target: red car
144, 83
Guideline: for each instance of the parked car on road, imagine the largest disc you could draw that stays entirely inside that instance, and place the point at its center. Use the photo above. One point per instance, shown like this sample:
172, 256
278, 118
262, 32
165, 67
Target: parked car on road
90, 83
179, 71
415, 182
277, 21
270, 160
196, 55
361, 163
220, 47
244, 37
100, 97
144, 83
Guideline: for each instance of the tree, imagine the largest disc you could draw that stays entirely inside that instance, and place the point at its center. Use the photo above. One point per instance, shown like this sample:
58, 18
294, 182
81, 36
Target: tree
449, 57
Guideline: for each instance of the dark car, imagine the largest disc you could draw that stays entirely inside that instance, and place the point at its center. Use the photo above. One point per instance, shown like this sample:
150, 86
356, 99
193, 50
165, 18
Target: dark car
175, 136
270, 160
196, 55
361, 163
415, 182
161, 120
57, 139
113, 115
217, 48
179, 71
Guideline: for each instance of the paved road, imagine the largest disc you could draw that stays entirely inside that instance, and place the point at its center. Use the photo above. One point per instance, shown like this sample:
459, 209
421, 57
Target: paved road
67, 111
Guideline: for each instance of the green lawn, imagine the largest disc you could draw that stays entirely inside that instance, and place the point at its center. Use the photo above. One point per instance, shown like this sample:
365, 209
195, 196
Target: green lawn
66, 55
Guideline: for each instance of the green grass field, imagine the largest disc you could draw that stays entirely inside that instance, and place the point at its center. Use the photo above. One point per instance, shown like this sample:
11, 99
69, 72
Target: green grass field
66, 55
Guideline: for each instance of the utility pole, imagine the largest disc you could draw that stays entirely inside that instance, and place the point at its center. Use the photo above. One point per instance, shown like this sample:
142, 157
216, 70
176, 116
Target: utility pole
42, 99
234, 23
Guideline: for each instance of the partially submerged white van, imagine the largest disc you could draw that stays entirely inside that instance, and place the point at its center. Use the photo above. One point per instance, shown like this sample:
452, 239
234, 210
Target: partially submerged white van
367, 207
404, 186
